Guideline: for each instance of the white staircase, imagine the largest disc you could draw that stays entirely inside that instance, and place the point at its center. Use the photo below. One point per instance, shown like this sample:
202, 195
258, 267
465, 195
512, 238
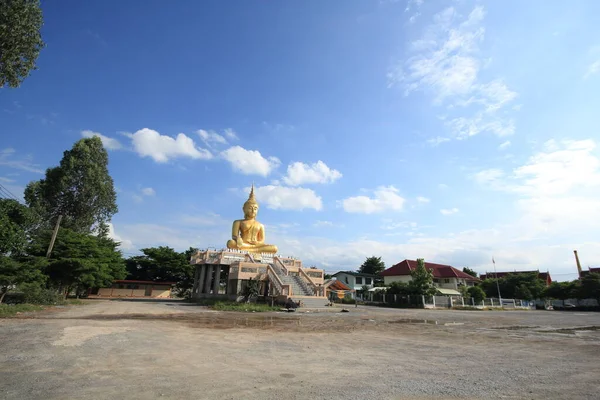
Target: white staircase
301, 290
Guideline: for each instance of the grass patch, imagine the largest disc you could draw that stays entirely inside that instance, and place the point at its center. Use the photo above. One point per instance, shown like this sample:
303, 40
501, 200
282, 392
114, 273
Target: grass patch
9, 310
243, 307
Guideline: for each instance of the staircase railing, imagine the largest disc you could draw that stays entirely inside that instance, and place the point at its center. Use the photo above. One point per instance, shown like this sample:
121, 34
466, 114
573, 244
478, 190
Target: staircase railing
281, 264
285, 290
318, 290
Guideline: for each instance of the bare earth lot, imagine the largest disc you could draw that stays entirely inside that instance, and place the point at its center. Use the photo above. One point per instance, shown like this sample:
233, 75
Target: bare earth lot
147, 350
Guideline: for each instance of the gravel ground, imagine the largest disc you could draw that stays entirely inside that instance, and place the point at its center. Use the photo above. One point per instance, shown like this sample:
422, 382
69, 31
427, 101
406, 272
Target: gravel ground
145, 350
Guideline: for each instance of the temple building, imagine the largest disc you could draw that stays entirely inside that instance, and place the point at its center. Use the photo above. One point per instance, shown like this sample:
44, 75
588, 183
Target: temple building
225, 273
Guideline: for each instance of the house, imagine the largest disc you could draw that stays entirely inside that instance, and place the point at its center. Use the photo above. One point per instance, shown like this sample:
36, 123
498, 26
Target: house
134, 288
591, 270
545, 276
355, 280
445, 277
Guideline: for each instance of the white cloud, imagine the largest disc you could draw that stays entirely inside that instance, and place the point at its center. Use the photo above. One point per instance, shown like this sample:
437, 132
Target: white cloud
162, 148
6, 180
109, 143
287, 198
250, 162
449, 211
559, 169
299, 173
445, 62
442, 186
504, 145
322, 224
487, 176
7, 159
230, 134
436, 141
126, 244
148, 191
211, 138
385, 198
422, 199
592, 69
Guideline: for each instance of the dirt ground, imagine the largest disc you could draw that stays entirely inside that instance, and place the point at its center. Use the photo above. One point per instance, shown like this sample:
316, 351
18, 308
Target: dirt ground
171, 350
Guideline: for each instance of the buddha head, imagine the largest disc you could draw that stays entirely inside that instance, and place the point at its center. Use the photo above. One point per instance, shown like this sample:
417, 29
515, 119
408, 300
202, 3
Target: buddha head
250, 206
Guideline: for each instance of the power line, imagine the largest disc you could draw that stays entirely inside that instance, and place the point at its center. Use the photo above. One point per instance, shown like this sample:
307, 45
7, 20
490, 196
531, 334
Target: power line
5, 192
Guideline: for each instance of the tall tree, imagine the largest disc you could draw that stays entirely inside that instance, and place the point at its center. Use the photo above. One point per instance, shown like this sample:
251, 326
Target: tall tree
471, 272
422, 280
80, 189
372, 265
590, 287
20, 39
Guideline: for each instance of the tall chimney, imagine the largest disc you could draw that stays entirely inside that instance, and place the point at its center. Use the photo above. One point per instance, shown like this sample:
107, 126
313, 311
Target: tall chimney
578, 264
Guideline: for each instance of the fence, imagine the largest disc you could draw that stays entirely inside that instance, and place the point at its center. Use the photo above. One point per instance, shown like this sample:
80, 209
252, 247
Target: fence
396, 300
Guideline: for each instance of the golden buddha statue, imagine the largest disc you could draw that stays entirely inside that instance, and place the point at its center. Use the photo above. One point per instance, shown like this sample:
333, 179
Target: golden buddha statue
248, 234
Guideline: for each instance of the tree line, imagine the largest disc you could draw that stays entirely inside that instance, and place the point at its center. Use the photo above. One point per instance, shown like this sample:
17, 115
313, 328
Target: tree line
79, 198
525, 286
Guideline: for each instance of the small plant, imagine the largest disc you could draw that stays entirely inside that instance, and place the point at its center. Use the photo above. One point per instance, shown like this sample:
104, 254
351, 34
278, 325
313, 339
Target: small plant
10, 310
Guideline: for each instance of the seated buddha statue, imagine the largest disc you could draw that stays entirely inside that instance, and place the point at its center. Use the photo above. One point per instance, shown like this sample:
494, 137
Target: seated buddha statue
248, 234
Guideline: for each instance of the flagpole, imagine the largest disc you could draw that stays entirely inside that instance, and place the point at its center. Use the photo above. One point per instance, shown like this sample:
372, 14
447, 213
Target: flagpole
497, 284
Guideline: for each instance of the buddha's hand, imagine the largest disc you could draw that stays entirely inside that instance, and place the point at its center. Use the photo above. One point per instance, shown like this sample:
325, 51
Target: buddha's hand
239, 241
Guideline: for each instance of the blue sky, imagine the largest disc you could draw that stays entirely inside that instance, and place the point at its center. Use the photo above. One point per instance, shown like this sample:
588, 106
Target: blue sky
454, 131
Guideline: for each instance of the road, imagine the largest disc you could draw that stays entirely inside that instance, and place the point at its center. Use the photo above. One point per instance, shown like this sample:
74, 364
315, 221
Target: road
147, 350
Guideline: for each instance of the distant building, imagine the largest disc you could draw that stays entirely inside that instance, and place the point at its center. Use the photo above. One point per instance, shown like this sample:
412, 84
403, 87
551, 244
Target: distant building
134, 288
591, 270
355, 280
545, 276
444, 276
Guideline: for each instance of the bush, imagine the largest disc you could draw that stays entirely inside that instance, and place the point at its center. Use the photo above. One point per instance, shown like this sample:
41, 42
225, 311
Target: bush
347, 300
34, 294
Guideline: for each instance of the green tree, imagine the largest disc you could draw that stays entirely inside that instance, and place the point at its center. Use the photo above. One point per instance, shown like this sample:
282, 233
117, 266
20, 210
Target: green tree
590, 287
422, 280
79, 261
562, 290
471, 272
163, 264
523, 292
476, 293
15, 223
401, 288
14, 273
372, 265
80, 189
250, 290
20, 39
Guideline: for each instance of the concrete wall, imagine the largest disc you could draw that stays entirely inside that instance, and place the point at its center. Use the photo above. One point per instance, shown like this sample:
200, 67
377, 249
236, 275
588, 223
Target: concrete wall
158, 291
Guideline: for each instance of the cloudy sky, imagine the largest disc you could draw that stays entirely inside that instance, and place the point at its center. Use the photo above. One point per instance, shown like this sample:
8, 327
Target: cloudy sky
454, 131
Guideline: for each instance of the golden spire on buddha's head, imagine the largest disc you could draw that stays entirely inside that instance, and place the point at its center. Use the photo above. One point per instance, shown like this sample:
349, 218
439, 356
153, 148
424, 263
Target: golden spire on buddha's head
251, 199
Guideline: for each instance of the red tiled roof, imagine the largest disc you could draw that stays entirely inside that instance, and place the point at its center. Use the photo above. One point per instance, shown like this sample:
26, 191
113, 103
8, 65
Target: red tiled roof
144, 282
337, 285
439, 270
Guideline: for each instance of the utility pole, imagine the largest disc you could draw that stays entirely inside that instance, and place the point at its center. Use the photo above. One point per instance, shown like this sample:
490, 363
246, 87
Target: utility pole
497, 284
54, 233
